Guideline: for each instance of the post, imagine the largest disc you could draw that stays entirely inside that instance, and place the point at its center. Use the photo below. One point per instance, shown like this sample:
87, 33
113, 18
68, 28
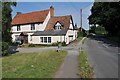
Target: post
81, 21
81, 18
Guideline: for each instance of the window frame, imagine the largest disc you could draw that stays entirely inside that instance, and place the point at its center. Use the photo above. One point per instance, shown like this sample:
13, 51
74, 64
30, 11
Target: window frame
45, 39
32, 26
49, 39
18, 28
42, 39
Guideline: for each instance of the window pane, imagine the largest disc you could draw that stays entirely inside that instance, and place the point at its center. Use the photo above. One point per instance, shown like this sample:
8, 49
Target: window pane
32, 26
41, 38
45, 39
18, 28
49, 39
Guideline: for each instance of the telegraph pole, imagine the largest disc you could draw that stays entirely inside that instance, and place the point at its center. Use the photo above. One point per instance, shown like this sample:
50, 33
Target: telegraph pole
81, 18
81, 21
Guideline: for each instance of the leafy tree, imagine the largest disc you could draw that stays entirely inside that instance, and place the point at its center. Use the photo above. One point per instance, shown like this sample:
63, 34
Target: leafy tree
106, 14
6, 20
92, 29
6, 26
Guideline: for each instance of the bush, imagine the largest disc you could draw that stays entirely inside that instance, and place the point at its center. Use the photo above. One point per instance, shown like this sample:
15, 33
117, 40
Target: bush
5, 47
56, 44
64, 44
31, 45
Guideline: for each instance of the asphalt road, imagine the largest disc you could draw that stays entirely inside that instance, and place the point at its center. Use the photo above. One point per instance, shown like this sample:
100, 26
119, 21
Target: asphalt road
103, 56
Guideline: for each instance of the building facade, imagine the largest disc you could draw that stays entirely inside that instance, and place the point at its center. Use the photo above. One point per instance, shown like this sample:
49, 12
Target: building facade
42, 27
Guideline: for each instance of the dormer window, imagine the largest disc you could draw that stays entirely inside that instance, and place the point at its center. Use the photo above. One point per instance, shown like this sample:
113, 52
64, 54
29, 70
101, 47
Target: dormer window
58, 26
32, 26
18, 28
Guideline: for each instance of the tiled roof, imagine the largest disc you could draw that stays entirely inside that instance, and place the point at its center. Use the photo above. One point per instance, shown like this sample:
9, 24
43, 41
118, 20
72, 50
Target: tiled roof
32, 17
64, 20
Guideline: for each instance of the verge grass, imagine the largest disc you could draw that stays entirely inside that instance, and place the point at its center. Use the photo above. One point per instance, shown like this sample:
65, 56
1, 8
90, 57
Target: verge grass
32, 65
86, 71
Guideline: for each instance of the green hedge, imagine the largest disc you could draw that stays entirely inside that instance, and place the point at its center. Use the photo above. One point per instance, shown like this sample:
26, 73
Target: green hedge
4, 48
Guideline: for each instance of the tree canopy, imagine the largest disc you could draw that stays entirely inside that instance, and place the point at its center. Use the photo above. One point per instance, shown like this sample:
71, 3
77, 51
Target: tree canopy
6, 20
106, 14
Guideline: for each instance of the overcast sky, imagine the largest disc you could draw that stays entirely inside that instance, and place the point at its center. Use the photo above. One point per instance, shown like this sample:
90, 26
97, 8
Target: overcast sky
60, 9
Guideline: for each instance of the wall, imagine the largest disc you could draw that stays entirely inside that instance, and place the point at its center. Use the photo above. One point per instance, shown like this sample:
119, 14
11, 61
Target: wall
27, 28
70, 32
54, 39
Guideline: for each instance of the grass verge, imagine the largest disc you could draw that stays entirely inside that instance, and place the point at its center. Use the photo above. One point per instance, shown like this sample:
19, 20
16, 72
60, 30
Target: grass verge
86, 71
32, 65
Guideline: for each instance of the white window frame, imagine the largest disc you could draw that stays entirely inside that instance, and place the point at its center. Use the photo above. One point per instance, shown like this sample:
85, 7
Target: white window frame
48, 40
42, 39
32, 26
18, 28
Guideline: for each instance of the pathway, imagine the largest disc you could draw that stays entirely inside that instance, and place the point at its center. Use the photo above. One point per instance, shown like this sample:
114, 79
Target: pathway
70, 66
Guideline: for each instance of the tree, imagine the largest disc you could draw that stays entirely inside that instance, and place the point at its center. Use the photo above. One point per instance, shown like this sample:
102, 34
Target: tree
6, 20
6, 26
106, 14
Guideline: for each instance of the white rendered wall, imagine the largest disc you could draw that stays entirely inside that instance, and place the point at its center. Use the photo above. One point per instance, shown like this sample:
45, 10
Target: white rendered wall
54, 39
27, 27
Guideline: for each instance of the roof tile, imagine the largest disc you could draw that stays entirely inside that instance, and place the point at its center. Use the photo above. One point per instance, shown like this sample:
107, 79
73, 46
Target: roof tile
65, 20
32, 17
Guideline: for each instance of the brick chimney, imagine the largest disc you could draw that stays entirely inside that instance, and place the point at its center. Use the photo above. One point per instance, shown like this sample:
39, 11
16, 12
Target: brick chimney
19, 13
51, 11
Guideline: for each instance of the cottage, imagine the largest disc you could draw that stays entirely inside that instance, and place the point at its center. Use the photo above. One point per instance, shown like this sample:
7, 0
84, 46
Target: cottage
42, 27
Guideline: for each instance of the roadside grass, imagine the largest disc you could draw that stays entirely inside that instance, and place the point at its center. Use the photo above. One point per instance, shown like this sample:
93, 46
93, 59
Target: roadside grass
83, 40
86, 71
32, 65
0, 67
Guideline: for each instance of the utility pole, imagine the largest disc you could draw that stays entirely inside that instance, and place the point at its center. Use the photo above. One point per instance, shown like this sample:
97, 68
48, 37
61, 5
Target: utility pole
81, 18
81, 21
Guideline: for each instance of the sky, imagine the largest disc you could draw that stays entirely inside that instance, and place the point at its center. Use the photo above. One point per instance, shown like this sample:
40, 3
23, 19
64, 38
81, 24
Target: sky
60, 9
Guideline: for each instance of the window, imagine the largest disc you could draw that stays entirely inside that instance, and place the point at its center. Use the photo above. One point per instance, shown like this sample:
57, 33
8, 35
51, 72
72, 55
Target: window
41, 38
49, 39
58, 27
18, 28
32, 26
45, 39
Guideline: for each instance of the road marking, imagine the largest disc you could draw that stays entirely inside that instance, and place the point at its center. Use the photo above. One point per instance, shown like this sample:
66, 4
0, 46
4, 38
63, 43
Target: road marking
105, 46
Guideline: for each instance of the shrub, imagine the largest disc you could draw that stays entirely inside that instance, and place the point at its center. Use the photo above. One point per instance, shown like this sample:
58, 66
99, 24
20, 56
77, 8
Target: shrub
31, 45
64, 43
5, 47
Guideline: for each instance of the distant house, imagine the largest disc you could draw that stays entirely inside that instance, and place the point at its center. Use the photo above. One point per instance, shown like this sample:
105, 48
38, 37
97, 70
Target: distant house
42, 27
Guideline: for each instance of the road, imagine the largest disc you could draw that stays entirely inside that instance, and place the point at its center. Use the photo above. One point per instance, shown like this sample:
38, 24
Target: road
103, 56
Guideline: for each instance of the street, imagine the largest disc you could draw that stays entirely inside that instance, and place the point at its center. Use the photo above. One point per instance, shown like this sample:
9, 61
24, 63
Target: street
102, 56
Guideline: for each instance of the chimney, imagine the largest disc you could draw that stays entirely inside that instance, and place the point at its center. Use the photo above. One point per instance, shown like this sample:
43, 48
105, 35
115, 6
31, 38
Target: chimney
19, 13
51, 11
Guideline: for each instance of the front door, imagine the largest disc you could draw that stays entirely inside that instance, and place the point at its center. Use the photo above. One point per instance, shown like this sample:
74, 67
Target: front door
24, 39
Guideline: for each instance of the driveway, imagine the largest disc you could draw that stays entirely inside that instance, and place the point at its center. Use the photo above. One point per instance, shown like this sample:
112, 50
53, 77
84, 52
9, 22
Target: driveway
103, 56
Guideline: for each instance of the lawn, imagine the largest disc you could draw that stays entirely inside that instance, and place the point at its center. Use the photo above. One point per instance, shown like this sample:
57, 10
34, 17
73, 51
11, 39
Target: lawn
86, 71
32, 65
